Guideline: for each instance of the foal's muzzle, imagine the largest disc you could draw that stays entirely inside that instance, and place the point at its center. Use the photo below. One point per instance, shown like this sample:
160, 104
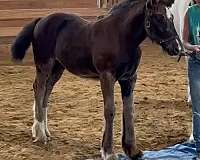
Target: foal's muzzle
173, 46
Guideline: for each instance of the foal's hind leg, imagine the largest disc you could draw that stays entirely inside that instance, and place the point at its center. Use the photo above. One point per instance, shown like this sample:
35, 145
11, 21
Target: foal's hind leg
128, 137
107, 86
42, 74
55, 75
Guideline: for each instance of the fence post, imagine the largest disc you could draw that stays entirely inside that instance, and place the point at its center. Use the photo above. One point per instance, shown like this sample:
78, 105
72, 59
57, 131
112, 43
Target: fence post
106, 3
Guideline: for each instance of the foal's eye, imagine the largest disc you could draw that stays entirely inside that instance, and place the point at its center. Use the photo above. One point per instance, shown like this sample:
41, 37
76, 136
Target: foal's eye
161, 18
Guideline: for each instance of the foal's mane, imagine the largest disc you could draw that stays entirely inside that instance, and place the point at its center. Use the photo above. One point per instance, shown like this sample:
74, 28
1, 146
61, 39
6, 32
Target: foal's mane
123, 6
129, 4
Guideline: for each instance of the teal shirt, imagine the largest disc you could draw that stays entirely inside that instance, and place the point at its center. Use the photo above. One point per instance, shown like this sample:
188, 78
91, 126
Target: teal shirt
194, 24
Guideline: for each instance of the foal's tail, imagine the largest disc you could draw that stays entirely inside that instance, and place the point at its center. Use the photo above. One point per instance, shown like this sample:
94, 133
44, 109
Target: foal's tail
23, 41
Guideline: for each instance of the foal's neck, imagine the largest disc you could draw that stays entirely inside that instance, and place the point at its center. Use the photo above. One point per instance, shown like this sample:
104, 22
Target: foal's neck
126, 21
131, 18
135, 27
131, 22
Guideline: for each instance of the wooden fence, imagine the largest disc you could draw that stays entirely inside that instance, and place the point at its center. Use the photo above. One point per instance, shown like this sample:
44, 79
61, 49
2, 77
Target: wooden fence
107, 3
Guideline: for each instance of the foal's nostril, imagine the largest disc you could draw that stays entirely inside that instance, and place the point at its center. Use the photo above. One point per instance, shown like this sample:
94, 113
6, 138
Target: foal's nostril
176, 51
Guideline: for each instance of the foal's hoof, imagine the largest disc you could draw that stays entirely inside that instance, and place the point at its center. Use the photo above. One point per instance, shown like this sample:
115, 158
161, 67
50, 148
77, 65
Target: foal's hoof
41, 139
38, 132
112, 157
137, 155
106, 156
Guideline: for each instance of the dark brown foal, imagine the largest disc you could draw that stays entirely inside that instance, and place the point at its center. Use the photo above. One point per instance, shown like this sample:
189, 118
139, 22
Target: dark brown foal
107, 49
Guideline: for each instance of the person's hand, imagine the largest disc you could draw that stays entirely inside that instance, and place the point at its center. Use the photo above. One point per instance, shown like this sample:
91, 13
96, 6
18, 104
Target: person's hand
196, 48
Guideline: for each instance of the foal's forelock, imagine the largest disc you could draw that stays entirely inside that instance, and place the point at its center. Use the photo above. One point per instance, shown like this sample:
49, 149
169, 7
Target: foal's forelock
158, 10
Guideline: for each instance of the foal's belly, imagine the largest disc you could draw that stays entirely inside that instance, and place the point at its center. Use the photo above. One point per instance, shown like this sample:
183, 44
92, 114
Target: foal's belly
79, 63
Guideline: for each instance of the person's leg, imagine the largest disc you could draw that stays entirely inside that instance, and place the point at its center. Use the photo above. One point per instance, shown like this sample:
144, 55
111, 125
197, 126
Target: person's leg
188, 87
194, 81
191, 138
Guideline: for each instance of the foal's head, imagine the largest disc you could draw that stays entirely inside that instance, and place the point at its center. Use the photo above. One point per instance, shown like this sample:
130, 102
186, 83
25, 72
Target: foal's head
160, 27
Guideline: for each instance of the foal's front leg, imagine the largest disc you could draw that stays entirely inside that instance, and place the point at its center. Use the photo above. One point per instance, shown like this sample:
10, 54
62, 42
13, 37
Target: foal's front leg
107, 85
128, 137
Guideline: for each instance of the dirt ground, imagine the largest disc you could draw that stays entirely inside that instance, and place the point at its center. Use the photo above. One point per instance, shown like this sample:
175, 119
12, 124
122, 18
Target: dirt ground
162, 116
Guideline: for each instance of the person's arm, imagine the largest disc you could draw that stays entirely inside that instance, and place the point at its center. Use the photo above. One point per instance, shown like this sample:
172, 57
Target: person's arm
186, 44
